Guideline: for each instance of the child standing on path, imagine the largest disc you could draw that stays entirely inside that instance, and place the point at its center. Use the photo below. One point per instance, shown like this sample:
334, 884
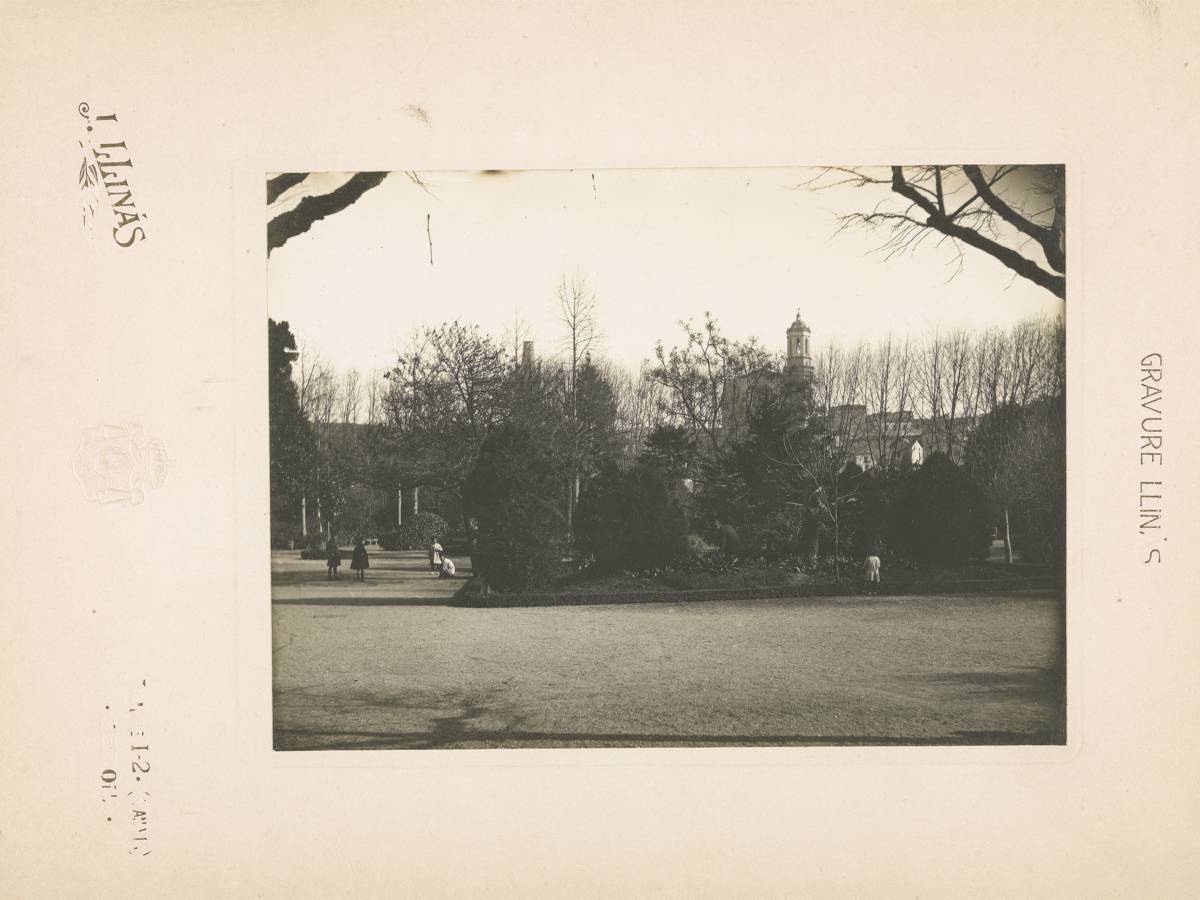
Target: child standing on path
435, 556
359, 562
872, 574
333, 558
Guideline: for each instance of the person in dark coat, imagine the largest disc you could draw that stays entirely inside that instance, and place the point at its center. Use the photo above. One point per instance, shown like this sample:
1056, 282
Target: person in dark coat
359, 562
333, 558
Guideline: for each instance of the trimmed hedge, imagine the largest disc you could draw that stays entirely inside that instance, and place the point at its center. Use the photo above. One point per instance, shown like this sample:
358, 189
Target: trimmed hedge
631, 521
416, 534
516, 493
940, 515
472, 596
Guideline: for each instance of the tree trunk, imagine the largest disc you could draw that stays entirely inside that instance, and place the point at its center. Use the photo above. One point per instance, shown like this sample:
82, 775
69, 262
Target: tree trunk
837, 546
811, 535
1008, 554
837, 553
570, 510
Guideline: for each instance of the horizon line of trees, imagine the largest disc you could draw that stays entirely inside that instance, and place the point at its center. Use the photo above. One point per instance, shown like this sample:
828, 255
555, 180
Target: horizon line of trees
459, 401
948, 377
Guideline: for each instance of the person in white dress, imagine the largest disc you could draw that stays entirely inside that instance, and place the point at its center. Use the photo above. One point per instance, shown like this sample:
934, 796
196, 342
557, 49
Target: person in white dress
871, 573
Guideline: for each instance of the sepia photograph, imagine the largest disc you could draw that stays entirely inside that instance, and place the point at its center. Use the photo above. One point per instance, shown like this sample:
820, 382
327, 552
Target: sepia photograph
640, 459
668, 458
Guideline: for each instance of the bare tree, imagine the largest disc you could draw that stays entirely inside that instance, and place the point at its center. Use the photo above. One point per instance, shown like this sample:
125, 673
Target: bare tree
1017, 449
351, 395
577, 309
948, 388
993, 361
308, 372
446, 394
640, 410
961, 401
325, 395
839, 392
887, 387
1033, 359
319, 392
1015, 214
1019, 365
706, 380
517, 334
638, 398
374, 397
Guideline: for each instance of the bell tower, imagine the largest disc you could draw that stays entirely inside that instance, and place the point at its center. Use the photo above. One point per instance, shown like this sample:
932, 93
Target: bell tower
799, 358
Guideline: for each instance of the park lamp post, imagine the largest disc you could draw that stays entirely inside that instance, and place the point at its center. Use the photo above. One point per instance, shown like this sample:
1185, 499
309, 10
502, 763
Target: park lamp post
299, 355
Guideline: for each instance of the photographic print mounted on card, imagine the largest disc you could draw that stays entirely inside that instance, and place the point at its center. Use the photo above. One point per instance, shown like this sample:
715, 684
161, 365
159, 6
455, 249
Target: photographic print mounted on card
668, 458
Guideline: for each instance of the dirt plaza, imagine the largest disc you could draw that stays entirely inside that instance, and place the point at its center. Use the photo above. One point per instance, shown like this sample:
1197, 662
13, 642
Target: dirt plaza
391, 665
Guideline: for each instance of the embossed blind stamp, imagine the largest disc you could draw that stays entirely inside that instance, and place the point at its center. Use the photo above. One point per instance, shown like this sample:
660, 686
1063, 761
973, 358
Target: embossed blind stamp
118, 464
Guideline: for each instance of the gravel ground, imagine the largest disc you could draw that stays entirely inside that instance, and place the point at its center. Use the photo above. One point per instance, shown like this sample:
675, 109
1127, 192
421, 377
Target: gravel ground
911, 670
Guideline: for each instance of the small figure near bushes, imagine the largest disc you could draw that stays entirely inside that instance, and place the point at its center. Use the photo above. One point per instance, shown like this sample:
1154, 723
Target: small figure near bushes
728, 540
435, 556
333, 558
871, 574
447, 568
359, 561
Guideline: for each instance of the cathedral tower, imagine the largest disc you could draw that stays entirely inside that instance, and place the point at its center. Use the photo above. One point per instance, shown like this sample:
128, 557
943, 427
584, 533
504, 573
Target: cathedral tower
799, 359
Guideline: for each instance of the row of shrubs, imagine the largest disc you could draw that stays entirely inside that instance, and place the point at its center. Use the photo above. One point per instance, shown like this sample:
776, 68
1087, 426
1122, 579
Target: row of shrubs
636, 520
415, 534
632, 520
474, 597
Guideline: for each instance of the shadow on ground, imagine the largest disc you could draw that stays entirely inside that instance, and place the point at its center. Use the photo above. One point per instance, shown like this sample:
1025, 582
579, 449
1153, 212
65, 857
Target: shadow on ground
450, 732
331, 599
316, 572
399, 578
1029, 684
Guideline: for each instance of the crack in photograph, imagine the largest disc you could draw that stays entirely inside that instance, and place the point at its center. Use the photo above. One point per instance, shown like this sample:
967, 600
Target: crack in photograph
668, 458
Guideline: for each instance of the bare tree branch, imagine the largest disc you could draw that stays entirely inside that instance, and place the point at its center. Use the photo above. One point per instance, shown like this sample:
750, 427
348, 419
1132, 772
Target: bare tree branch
312, 209
1056, 284
964, 205
1046, 237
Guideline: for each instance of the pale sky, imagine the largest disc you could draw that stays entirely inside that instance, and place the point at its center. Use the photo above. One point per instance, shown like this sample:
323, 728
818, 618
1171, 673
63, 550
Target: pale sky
657, 246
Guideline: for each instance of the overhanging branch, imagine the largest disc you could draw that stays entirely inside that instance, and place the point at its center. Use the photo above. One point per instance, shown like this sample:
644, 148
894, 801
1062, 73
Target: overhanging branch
1027, 268
1047, 238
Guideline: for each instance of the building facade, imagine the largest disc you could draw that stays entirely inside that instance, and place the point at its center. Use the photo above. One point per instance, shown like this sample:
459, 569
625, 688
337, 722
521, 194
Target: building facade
871, 440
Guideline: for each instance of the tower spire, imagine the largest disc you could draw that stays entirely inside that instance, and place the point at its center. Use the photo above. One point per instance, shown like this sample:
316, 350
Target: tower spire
798, 358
